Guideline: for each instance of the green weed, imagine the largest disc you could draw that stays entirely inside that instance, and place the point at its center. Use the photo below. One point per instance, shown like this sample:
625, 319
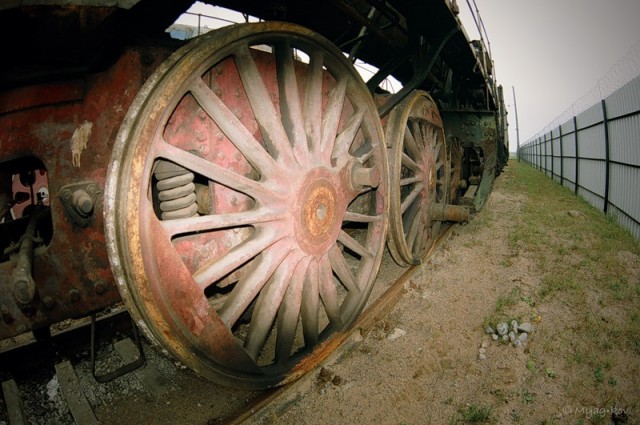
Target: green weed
476, 414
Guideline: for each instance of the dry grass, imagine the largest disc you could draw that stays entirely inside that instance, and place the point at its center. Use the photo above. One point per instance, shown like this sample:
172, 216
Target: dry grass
587, 296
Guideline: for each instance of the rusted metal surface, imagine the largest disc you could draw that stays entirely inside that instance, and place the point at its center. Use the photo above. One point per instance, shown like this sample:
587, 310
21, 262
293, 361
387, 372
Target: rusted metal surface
447, 212
71, 270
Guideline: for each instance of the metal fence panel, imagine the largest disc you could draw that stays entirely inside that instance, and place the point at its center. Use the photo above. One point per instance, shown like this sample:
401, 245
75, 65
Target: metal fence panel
567, 127
591, 142
591, 116
592, 176
623, 102
569, 171
547, 155
624, 140
624, 189
594, 200
626, 222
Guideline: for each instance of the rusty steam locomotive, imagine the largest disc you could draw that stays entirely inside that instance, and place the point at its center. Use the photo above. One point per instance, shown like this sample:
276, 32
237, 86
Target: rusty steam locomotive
237, 191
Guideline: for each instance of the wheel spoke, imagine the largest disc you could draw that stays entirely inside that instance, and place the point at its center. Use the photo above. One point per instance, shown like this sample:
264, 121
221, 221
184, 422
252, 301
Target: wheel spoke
417, 133
328, 293
222, 221
290, 104
410, 180
287, 321
241, 138
342, 269
411, 197
309, 308
272, 130
361, 218
438, 146
246, 290
216, 173
364, 152
269, 301
414, 224
418, 244
216, 268
353, 245
410, 163
410, 144
313, 101
347, 135
331, 119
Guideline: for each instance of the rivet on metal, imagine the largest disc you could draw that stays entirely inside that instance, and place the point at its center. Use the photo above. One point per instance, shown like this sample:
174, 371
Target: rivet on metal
6, 314
74, 295
99, 287
48, 302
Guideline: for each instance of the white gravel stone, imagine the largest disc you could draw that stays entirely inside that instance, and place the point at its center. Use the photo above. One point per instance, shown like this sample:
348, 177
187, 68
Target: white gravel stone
525, 327
397, 333
502, 328
52, 387
495, 337
512, 336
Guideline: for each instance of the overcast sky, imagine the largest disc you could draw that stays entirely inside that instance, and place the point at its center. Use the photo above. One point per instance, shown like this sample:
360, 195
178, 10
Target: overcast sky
554, 51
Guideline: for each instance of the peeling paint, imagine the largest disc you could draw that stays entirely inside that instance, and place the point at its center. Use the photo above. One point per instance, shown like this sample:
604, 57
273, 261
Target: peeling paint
79, 141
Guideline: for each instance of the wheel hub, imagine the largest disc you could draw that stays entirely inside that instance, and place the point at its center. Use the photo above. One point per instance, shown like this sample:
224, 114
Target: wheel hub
317, 224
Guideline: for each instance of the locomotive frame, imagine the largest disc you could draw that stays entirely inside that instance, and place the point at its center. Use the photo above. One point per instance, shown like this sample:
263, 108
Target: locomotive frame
234, 190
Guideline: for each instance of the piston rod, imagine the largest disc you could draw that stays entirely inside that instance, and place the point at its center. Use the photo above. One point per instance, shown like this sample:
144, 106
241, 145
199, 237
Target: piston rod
449, 212
24, 287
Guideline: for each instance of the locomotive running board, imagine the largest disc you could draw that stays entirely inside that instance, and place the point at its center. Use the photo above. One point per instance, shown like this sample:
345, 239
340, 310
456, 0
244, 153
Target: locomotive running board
122, 370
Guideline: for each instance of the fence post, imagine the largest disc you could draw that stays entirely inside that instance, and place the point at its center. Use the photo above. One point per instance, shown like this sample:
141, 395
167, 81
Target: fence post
561, 157
539, 152
551, 144
546, 155
605, 122
575, 132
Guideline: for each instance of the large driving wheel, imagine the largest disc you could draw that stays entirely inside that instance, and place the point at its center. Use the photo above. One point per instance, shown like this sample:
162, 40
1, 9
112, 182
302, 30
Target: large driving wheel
246, 203
415, 134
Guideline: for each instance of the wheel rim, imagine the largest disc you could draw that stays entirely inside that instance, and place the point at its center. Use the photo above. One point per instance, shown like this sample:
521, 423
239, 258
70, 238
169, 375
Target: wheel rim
286, 163
415, 134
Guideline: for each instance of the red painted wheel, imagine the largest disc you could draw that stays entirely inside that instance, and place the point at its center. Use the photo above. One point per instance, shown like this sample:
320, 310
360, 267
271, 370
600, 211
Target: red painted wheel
418, 161
246, 203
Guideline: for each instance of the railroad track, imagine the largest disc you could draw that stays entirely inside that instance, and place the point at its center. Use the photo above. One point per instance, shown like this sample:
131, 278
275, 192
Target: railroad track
50, 379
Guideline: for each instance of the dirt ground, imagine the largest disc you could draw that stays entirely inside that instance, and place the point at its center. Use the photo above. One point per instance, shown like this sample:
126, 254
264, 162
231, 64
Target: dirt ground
422, 364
